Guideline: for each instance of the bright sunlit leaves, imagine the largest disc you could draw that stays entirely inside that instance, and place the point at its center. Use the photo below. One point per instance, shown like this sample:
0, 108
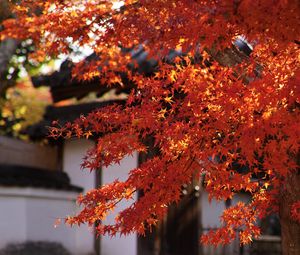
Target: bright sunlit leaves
235, 112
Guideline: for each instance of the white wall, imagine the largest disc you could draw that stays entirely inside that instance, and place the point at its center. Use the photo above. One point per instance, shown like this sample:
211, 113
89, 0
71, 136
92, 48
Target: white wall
210, 218
73, 153
12, 218
119, 245
28, 214
210, 211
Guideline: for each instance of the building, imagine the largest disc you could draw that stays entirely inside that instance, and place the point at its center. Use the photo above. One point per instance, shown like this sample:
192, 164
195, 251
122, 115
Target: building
40, 184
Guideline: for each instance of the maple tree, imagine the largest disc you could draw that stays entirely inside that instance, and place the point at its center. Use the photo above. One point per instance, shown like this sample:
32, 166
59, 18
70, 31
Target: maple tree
211, 110
22, 106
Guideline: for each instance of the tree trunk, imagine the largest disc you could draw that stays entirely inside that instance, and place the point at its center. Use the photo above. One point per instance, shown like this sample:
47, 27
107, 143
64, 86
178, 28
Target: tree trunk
7, 48
290, 229
4, 10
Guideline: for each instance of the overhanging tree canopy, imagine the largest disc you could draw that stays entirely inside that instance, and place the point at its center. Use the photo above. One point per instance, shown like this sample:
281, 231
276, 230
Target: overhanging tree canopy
207, 113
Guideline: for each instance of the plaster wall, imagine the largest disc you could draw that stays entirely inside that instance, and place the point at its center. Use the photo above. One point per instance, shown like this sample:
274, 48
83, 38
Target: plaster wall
210, 219
73, 153
210, 211
13, 217
28, 214
119, 245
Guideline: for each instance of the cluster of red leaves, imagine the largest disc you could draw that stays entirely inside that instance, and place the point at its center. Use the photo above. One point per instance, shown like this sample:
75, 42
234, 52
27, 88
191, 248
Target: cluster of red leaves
240, 216
215, 115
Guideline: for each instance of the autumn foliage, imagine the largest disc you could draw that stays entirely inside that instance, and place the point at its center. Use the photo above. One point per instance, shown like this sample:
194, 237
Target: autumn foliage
212, 110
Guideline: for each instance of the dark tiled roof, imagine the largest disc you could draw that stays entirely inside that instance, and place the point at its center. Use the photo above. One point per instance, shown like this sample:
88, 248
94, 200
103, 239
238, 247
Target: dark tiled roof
22, 176
63, 115
62, 85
